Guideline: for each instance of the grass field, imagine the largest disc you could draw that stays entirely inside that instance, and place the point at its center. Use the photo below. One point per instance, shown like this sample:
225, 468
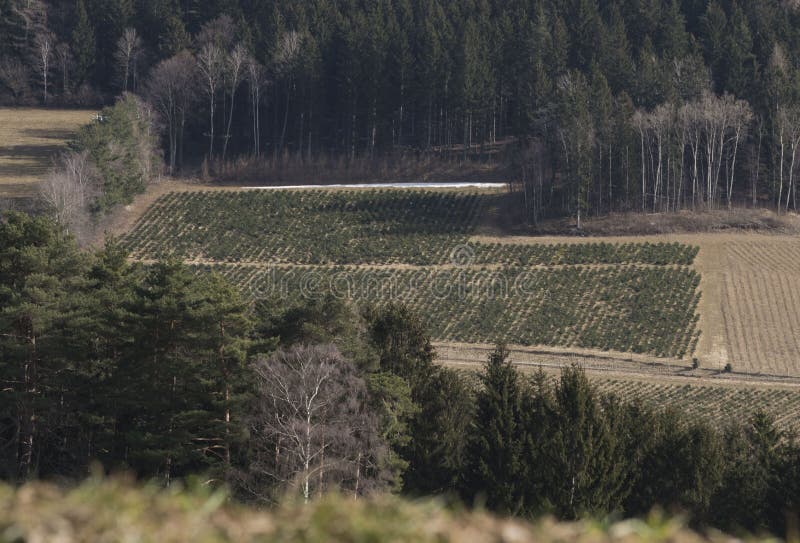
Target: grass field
29, 141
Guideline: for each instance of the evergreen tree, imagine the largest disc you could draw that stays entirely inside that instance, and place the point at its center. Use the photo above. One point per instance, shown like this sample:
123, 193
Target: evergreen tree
440, 432
740, 63
83, 42
165, 363
41, 276
615, 56
539, 420
224, 319
586, 470
752, 456
390, 400
714, 26
402, 342
496, 464
672, 39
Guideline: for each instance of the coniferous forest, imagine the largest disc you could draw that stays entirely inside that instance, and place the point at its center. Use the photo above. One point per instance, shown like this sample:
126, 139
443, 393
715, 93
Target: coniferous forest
594, 105
584, 107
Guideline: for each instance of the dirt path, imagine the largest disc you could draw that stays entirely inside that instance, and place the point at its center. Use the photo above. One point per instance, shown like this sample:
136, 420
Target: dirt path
608, 364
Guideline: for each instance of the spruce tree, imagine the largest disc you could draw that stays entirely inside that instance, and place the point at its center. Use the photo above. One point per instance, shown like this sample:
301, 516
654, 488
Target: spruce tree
440, 429
496, 463
586, 474
83, 42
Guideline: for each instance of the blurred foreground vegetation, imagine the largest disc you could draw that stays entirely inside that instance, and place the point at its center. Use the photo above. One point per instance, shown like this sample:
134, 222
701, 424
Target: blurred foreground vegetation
114, 510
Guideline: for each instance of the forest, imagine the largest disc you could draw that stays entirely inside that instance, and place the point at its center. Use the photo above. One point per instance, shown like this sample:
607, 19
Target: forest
590, 106
169, 374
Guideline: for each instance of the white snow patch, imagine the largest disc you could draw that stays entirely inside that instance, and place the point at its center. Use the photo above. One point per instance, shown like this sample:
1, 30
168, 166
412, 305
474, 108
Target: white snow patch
384, 186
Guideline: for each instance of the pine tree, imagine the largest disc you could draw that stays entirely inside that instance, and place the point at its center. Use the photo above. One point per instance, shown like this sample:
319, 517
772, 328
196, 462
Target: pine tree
585, 29
41, 277
615, 55
224, 320
752, 455
402, 342
166, 365
714, 26
672, 38
539, 422
390, 401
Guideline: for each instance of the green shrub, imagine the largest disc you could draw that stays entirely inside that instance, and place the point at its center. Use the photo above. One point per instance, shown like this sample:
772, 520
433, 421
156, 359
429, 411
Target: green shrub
122, 145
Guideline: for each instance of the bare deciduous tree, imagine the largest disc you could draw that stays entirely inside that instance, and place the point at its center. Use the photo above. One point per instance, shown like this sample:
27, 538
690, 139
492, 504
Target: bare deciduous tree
66, 191
310, 427
210, 64
44, 49
214, 41
255, 81
219, 31
127, 55
170, 91
234, 70
713, 127
64, 59
788, 134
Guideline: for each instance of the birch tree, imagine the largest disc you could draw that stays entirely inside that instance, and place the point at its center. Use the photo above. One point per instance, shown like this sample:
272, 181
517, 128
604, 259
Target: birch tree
788, 121
64, 58
309, 425
254, 72
234, 71
67, 189
44, 49
210, 64
127, 54
286, 59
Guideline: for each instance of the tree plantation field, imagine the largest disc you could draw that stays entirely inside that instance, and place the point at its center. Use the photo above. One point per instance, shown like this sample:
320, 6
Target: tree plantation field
722, 405
629, 308
389, 226
30, 140
415, 246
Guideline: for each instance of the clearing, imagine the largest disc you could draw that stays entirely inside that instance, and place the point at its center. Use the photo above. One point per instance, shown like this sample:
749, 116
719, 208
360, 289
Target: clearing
30, 139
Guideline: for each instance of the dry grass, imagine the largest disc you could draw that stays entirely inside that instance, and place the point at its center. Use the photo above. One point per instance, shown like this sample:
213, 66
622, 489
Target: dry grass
639, 224
29, 141
760, 304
